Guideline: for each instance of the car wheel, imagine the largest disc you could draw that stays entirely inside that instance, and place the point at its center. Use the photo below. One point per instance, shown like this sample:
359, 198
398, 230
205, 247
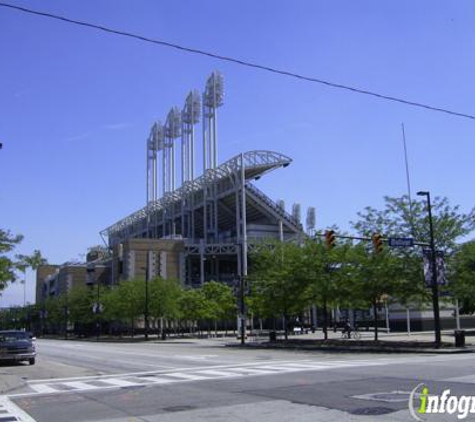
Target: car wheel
32, 361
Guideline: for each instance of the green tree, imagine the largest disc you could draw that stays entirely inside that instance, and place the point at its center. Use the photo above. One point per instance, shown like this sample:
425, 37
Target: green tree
462, 276
8, 265
219, 300
398, 218
79, 302
375, 277
54, 308
125, 302
278, 282
324, 272
164, 295
32, 261
192, 306
29, 261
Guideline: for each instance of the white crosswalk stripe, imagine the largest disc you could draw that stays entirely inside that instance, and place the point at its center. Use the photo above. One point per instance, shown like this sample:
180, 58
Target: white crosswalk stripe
9, 412
119, 382
191, 377
43, 388
79, 385
191, 374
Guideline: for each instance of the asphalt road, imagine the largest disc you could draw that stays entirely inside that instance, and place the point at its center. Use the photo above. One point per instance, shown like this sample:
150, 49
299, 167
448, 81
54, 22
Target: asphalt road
200, 380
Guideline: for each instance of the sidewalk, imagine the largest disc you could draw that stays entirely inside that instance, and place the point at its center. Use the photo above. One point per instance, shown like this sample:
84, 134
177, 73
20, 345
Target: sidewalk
9, 382
416, 342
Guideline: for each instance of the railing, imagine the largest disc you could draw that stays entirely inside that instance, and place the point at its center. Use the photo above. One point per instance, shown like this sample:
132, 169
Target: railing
271, 204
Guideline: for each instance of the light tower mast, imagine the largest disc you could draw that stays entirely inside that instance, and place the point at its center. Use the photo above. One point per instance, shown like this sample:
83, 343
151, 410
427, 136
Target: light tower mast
172, 131
154, 144
212, 99
190, 116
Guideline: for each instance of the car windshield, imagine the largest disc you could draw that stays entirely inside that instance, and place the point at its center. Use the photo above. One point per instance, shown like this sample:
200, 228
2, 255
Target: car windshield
13, 336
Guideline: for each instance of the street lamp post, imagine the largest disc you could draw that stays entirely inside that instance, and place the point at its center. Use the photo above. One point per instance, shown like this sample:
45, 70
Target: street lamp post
435, 290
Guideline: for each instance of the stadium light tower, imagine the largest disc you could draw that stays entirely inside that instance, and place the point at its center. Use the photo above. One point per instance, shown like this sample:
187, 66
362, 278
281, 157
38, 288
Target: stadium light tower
190, 115
213, 97
296, 212
310, 222
159, 139
151, 165
154, 145
172, 131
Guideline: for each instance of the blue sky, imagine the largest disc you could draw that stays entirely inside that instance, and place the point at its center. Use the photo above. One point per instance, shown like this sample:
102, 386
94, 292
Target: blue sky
76, 106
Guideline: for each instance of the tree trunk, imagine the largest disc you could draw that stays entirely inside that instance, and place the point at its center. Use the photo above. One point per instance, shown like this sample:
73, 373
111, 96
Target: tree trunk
286, 331
325, 319
375, 311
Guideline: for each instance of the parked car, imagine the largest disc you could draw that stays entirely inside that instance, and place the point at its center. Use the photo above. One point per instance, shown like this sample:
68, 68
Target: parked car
17, 346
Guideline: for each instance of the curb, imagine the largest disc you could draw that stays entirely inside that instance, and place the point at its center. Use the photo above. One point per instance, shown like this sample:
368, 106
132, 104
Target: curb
356, 349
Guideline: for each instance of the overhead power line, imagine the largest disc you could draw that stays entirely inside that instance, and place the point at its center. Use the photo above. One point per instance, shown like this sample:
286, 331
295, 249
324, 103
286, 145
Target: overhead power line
239, 61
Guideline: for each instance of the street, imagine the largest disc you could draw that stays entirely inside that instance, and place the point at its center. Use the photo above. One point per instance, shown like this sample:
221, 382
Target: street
190, 380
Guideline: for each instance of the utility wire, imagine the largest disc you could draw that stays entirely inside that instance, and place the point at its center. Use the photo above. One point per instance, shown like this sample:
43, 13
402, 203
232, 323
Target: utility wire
238, 61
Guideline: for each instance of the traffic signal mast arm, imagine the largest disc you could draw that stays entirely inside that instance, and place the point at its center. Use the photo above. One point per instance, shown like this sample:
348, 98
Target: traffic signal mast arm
338, 236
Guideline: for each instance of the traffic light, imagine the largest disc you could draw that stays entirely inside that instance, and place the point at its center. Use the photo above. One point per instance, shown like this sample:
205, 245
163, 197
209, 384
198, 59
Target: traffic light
377, 243
330, 239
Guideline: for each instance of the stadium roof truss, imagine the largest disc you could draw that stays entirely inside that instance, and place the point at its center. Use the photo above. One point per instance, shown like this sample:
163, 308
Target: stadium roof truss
209, 209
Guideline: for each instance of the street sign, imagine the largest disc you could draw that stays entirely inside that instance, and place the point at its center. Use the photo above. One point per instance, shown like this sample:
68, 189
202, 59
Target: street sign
400, 242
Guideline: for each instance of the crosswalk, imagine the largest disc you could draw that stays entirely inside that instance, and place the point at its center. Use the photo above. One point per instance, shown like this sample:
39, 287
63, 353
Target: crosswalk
9, 412
188, 374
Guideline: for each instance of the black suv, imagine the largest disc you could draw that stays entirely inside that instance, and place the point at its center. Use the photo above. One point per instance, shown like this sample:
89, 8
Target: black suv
17, 346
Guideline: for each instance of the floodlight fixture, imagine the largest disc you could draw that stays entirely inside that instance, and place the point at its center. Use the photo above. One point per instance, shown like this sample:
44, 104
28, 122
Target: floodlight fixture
151, 142
296, 212
310, 218
173, 125
191, 111
158, 135
213, 96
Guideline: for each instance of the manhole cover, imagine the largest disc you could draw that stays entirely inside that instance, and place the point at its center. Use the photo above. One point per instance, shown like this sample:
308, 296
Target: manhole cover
387, 397
178, 408
372, 411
